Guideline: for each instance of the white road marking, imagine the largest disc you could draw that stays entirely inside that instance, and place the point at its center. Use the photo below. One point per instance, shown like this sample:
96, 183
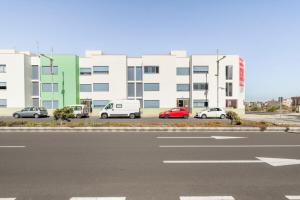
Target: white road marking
209, 137
7, 198
291, 197
12, 147
98, 198
206, 198
227, 146
275, 162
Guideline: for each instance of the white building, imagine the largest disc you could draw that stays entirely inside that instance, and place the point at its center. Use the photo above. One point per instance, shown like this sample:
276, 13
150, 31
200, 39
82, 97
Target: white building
163, 81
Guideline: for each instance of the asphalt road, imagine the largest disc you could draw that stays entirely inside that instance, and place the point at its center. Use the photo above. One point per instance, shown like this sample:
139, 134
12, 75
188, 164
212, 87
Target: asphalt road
58, 166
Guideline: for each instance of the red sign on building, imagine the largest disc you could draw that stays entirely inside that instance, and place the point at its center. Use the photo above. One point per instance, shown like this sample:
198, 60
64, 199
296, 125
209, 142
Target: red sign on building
242, 73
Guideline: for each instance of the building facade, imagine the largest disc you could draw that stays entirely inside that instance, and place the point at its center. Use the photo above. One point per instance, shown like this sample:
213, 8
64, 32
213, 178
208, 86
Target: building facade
159, 82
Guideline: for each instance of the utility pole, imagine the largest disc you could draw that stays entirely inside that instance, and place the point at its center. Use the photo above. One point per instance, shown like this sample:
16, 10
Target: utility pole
206, 91
218, 74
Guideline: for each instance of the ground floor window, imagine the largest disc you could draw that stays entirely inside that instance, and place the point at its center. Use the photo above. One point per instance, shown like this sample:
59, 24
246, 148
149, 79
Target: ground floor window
36, 102
200, 103
3, 103
231, 103
151, 104
183, 103
100, 103
50, 104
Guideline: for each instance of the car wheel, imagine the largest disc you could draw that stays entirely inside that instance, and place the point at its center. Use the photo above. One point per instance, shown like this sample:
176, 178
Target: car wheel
132, 116
185, 116
16, 116
166, 117
104, 116
36, 116
203, 116
222, 116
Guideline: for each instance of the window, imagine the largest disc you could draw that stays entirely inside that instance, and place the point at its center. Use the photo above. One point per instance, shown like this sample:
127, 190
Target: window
183, 87
139, 73
35, 72
182, 71
200, 103
46, 70
48, 104
100, 103
35, 102
130, 73
100, 70
139, 90
47, 87
200, 86
85, 87
151, 87
151, 104
118, 105
35, 89
151, 69
85, 71
229, 72
2, 68
231, 103
3, 103
130, 89
228, 89
3, 86
101, 87
200, 69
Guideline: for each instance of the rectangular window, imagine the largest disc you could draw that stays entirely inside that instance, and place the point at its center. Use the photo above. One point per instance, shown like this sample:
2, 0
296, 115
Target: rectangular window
100, 69
3, 103
47, 87
85, 71
100, 103
130, 73
200, 103
200, 86
151, 69
46, 70
35, 89
151, 86
2, 68
101, 87
36, 102
118, 105
182, 71
151, 104
55, 104
35, 72
3, 86
231, 103
48, 104
139, 73
200, 69
183, 87
130, 89
139, 90
229, 72
85, 87
229, 89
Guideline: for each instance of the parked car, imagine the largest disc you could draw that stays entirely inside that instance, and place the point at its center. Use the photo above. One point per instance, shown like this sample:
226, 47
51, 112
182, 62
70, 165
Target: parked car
121, 108
80, 110
175, 113
35, 112
212, 113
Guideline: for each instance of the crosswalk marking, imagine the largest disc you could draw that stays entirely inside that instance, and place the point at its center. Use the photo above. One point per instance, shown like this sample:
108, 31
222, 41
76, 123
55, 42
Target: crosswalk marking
206, 198
97, 198
290, 197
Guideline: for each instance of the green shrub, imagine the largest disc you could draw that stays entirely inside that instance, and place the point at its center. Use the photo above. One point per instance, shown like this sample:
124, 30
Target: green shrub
63, 114
234, 117
272, 109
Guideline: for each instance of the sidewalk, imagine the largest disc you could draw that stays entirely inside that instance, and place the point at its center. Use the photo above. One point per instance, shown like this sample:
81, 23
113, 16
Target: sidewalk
289, 118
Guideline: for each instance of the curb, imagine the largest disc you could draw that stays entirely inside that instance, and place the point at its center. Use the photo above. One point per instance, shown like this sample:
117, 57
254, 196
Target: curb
150, 129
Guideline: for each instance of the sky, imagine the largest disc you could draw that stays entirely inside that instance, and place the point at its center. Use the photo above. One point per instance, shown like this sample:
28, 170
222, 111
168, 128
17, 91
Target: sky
266, 33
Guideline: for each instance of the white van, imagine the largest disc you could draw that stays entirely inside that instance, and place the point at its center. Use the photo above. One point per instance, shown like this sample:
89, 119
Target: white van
121, 108
80, 110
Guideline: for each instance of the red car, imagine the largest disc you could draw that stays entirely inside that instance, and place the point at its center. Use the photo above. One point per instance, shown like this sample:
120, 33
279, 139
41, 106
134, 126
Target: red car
175, 113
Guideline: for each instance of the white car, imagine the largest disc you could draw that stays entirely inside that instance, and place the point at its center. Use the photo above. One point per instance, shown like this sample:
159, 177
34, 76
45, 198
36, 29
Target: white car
212, 113
121, 108
80, 110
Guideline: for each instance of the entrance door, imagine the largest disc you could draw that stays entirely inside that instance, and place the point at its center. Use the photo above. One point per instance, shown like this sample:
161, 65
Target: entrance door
183, 103
88, 103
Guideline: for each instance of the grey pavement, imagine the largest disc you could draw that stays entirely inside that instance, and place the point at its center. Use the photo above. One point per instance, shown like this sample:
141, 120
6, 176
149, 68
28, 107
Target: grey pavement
58, 166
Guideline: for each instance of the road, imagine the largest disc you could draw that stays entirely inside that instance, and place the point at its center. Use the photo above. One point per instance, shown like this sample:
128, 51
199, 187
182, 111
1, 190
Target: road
59, 166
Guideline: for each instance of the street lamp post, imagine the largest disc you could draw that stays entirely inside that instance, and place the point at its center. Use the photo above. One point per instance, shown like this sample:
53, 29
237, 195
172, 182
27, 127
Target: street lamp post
218, 73
51, 67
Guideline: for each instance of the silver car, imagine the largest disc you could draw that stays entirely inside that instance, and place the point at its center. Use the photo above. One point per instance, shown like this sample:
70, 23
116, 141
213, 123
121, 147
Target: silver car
35, 112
